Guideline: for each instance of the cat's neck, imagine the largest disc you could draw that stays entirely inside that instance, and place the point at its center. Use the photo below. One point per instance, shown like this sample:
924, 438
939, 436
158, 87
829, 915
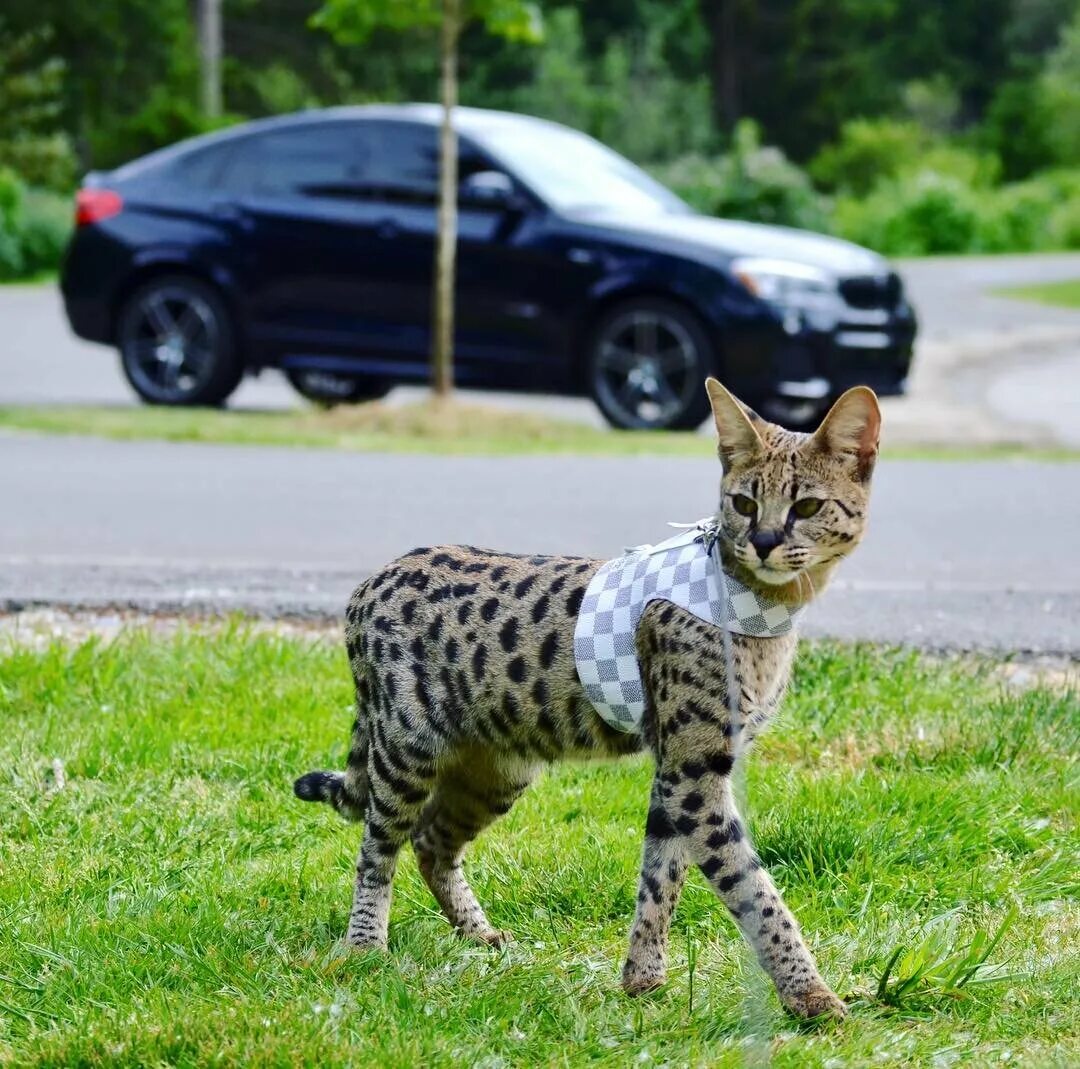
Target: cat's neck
799, 592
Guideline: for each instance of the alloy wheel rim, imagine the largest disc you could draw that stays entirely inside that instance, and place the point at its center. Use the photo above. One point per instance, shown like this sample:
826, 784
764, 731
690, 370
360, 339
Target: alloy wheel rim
171, 342
646, 368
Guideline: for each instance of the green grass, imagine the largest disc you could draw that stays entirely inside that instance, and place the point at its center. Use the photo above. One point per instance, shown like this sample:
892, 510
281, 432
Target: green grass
41, 278
457, 429
174, 905
1062, 294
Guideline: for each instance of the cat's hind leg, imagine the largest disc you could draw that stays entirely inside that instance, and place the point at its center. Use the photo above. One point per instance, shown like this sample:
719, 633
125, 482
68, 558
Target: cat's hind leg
475, 790
401, 775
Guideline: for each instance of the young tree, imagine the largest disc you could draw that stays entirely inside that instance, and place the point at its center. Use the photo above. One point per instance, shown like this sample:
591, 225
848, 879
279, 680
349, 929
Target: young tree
352, 22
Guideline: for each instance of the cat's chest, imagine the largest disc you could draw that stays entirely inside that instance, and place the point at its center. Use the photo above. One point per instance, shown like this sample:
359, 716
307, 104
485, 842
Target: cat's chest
762, 669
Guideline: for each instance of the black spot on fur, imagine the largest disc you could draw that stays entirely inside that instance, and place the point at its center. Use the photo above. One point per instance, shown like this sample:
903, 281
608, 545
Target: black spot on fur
548, 649
517, 670
489, 609
508, 635
479, 661
658, 826
539, 610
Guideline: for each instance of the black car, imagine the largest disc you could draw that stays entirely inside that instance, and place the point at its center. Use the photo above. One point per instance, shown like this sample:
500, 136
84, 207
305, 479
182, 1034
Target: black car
306, 243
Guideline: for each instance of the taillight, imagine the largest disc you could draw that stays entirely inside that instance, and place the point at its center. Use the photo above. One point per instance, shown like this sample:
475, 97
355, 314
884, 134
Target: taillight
93, 205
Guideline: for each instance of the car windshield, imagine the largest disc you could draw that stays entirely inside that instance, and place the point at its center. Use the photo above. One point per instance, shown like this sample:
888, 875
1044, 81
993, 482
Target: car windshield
572, 172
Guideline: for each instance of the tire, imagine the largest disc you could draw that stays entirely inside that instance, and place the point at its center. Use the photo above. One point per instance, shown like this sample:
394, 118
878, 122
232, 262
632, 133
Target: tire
177, 343
334, 388
647, 362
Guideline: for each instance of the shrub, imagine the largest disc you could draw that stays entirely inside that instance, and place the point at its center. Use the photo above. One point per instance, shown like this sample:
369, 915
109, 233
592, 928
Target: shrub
34, 229
1063, 226
928, 214
754, 182
867, 151
870, 151
44, 230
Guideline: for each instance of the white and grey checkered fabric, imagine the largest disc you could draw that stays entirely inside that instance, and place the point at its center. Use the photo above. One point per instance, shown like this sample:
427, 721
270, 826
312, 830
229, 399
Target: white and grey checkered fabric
681, 570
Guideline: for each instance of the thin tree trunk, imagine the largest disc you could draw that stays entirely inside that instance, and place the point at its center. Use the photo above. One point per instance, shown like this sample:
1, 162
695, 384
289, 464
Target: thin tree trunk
209, 26
442, 334
727, 48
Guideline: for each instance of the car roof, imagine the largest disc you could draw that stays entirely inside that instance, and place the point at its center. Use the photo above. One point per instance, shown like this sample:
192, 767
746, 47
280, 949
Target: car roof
475, 121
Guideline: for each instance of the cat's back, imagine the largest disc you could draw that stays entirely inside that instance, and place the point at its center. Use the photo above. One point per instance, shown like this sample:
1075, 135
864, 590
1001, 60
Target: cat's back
459, 604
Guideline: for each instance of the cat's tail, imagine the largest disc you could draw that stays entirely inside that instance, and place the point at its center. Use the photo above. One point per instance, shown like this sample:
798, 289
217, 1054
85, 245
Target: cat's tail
338, 789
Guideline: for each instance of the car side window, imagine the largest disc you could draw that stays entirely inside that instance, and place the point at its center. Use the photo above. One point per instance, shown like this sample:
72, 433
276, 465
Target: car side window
401, 158
373, 160
309, 161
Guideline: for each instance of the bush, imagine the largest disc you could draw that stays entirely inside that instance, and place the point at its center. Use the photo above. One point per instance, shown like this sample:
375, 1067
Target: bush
867, 151
34, 229
754, 182
930, 214
870, 151
939, 214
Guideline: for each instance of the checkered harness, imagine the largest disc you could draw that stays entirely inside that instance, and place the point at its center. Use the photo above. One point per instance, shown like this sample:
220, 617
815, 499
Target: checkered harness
685, 570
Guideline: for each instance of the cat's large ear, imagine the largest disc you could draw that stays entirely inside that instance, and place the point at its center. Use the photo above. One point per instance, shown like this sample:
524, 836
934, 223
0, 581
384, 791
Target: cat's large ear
853, 426
736, 436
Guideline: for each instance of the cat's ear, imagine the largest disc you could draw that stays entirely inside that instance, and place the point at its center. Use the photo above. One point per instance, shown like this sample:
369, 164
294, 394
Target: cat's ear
736, 436
853, 426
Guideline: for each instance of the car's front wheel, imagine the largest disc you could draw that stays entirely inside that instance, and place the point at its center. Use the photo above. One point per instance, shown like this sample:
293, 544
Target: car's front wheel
335, 388
647, 363
177, 345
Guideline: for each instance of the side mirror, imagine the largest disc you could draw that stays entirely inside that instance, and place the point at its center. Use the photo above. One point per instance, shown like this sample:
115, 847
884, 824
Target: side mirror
490, 189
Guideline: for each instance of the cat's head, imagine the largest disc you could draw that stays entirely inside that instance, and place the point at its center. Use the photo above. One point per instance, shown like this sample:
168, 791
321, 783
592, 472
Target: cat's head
794, 504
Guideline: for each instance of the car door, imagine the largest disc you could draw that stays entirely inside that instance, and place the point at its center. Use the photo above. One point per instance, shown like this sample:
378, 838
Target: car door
326, 273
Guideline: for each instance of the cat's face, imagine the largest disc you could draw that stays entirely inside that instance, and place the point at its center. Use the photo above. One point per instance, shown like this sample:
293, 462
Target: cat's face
793, 502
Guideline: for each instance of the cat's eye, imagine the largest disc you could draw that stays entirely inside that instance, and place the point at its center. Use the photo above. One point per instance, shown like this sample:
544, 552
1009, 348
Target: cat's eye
806, 507
743, 505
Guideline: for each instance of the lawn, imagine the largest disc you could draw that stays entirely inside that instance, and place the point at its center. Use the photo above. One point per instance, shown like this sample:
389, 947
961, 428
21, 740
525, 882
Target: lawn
1063, 294
426, 427
172, 904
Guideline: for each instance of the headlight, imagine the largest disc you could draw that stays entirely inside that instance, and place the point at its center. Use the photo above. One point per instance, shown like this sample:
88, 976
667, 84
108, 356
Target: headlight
797, 290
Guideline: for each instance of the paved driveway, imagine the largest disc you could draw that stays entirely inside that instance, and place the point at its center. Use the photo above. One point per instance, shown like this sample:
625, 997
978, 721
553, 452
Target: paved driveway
979, 555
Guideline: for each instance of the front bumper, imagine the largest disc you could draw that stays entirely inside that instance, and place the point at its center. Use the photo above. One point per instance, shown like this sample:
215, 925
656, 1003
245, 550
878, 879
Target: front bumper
802, 361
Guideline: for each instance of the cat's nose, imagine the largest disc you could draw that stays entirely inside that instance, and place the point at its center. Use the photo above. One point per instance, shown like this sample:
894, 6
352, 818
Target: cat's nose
764, 542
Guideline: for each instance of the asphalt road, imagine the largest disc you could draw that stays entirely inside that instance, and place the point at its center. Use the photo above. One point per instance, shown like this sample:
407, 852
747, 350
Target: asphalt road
979, 555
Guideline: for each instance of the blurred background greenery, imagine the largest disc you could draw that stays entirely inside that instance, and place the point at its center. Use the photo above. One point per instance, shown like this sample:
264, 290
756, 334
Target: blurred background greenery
911, 126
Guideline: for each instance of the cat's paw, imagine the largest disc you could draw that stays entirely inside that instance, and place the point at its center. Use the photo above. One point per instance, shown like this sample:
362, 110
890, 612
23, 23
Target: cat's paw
814, 1002
494, 937
640, 979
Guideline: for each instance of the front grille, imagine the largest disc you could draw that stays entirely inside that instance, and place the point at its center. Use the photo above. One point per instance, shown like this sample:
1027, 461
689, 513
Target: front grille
872, 291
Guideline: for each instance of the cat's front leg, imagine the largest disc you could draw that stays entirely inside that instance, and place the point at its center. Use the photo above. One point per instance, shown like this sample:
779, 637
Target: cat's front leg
695, 789
693, 814
663, 870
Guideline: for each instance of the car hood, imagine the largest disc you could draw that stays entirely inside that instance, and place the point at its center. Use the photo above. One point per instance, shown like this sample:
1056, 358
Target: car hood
734, 238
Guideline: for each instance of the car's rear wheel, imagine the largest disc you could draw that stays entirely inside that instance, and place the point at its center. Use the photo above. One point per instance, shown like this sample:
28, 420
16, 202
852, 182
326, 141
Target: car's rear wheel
647, 363
177, 345
336, 388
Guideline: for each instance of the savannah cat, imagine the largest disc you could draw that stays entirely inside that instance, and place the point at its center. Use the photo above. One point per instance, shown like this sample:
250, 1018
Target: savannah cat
466, 687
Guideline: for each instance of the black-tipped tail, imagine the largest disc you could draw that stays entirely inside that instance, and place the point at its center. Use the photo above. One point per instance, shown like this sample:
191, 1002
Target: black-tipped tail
332, 788
319, 786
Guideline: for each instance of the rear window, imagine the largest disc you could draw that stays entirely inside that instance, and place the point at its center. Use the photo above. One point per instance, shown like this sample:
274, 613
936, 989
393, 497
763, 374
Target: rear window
203, 167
